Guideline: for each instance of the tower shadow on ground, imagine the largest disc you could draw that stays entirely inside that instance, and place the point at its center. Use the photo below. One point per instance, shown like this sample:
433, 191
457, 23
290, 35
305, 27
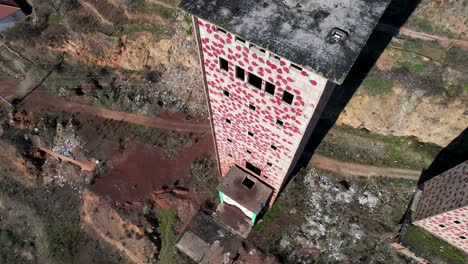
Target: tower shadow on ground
392, 20
455, 153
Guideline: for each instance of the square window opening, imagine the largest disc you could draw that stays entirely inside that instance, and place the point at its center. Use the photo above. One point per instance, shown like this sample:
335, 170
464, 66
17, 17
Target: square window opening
457, 222
223, 64
288, 97
222, 30
253, 168
230, 155
228, 121
274, 147
240, 40
249, 152
279, 122
252, 107
295, 67
462, 237
255, 81
226, 93
442, 226
269, 164
229, 140
250, 134
275, 57
248, 183
270, 88
240, 73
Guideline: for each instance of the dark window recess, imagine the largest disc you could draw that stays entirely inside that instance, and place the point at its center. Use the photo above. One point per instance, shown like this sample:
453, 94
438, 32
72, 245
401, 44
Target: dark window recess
223, 64
228, 121
279, 122
442, 226
262, 50
273, 147
250, 134
248, 151
269, 164
252, 168
251, 107
240, 73
270, 88
288, 97
462, 237
230, 155
294, 66
222, 30
229, 140
248, 183
240, 40
277, 57
255, 81
457, 222
226, 93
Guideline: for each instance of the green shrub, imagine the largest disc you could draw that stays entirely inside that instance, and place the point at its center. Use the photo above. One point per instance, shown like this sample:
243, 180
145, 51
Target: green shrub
377, 86
431, 247
167, 221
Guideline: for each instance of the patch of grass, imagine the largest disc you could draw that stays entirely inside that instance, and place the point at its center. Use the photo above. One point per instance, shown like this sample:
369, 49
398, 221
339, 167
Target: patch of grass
188, 18
358, 146
457, 59
465, 87
412, 67
431, 247
55, 18
376, 86
167, 221
65, 241
410, 45
277, 211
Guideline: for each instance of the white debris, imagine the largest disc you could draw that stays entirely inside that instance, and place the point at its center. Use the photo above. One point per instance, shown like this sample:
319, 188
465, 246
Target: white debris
368, 199
347, 196
356, 230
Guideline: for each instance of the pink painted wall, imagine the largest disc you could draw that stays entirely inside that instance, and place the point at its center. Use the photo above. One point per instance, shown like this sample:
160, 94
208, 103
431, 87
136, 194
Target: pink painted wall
443, 206
306, 87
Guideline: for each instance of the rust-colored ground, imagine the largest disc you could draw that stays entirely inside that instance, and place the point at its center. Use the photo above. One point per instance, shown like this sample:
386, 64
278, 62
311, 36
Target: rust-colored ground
142, 169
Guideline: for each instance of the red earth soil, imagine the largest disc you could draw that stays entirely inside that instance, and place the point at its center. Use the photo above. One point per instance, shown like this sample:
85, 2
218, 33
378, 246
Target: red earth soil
143, 170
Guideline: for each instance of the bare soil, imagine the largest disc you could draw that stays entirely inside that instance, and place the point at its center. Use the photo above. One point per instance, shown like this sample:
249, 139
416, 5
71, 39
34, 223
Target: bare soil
142, 169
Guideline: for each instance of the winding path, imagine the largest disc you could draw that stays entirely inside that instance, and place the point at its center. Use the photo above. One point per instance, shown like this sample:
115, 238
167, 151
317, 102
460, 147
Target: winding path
41, 99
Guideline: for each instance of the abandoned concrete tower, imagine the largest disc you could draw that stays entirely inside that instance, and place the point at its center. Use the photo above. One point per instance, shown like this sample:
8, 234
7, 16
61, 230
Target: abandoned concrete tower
441, 207
269, 68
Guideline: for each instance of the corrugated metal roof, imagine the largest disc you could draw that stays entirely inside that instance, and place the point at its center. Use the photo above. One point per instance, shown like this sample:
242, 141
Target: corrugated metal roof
6, 10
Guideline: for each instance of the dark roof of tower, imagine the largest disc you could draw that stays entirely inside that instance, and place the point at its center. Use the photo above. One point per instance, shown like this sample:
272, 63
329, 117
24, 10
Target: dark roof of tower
299, 30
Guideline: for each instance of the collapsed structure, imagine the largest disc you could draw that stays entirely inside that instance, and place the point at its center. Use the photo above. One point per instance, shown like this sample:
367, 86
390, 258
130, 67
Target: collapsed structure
269, 68
441, 206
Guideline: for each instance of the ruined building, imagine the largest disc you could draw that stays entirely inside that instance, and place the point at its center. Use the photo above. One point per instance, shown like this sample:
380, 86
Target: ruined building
269, 68
441, 208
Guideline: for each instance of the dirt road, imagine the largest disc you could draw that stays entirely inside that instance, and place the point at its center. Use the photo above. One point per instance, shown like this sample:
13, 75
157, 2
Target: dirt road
428, 37
353, 169
40, 99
